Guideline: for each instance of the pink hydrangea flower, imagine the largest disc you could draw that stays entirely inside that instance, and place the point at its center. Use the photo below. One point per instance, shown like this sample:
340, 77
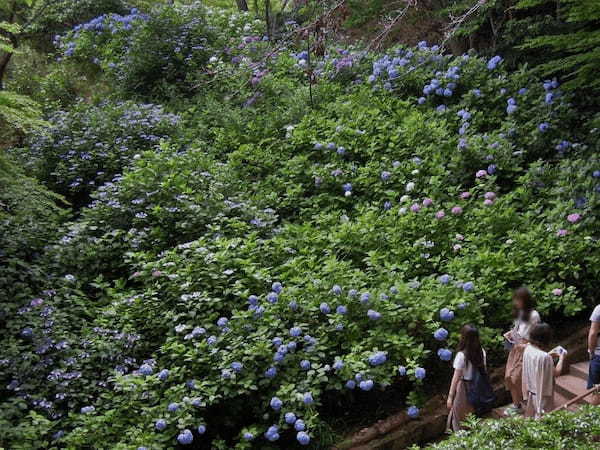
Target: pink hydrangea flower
481, 174
456, 247
558, 292
465, 195
440, 214
427, 201
415, 207
156, 273
489, 195
459, 237
574, 218
488, 202
457, 210
562, 233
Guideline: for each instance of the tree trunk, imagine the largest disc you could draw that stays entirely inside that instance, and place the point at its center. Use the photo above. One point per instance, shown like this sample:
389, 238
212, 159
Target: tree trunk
242, 5
4, 60
268, 17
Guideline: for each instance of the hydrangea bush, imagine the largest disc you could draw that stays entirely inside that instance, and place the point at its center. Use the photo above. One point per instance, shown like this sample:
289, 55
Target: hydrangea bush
226, 288
89, 145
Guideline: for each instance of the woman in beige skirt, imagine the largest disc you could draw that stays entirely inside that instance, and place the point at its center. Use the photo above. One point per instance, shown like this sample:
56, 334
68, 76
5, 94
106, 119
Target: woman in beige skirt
525, 318
469, 356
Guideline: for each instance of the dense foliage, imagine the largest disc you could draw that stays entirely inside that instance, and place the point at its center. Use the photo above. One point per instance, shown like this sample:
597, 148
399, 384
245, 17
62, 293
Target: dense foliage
560, 430
249, 254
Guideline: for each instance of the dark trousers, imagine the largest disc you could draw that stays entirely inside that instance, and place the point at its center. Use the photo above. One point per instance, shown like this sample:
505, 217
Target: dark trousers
594, 372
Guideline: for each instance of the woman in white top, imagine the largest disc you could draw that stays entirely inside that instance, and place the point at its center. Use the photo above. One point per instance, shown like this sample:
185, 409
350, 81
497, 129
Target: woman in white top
539, 372
469, 357
525, 318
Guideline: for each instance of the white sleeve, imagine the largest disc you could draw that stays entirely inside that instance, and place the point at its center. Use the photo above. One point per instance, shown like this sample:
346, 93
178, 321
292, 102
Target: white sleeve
535, 318
459, 361
595, 317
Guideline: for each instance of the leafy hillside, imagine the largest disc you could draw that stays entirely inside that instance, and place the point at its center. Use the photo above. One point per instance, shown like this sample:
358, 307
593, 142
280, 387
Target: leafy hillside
249, 255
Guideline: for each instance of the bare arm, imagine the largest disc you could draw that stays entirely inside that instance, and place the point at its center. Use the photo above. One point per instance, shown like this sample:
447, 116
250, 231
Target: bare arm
559, 365
593, 337
458, 374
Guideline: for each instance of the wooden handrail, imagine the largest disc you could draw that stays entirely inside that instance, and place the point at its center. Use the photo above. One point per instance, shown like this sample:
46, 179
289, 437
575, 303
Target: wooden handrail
593, 389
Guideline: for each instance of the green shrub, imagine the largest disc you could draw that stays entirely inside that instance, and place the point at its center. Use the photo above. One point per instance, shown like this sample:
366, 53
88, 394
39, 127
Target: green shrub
560, 430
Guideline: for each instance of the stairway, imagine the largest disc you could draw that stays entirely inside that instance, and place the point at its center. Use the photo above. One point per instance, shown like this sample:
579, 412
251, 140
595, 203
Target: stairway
567, 387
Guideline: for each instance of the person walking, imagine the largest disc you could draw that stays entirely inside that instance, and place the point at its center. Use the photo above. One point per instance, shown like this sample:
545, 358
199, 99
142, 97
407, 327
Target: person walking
470, 356
539, 371
594, 353
525, 317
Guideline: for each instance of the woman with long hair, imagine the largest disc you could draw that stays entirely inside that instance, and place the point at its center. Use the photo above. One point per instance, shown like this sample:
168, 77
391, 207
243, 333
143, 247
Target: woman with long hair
470, 356
525, 318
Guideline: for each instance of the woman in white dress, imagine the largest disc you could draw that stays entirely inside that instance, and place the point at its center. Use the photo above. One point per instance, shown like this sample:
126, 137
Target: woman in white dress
469, 357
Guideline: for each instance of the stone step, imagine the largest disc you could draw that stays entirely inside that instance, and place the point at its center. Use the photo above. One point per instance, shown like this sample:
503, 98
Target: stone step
580, 370
570, 386
560, 400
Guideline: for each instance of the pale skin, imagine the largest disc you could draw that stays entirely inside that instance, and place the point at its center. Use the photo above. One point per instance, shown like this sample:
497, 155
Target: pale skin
458, 374
591, 345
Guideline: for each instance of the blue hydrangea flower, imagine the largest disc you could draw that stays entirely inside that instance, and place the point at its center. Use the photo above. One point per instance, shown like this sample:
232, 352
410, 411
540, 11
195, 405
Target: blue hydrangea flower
336, 289
441, 334
271, 372
305, 364
248, 436
308, 398
201, 429
87, 409
291, 346
277, 287
303, 438
385, 175
299, 425
544, 126
350, 384
325, 309
338, 364
373, 315
413, 412
444, 354
272, 297
293, 305
295, 331
494, 62
377, 358
366, 385
272, 433
160, 424
446, 315
173, 407
420, 373
352, 293
318, 146
276, 403
185, 437
253, 300
237, 366
163, 375
444, 279
146, 369
365, 297
290, 418
222, 322
341, 309
468, 286
402, 371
